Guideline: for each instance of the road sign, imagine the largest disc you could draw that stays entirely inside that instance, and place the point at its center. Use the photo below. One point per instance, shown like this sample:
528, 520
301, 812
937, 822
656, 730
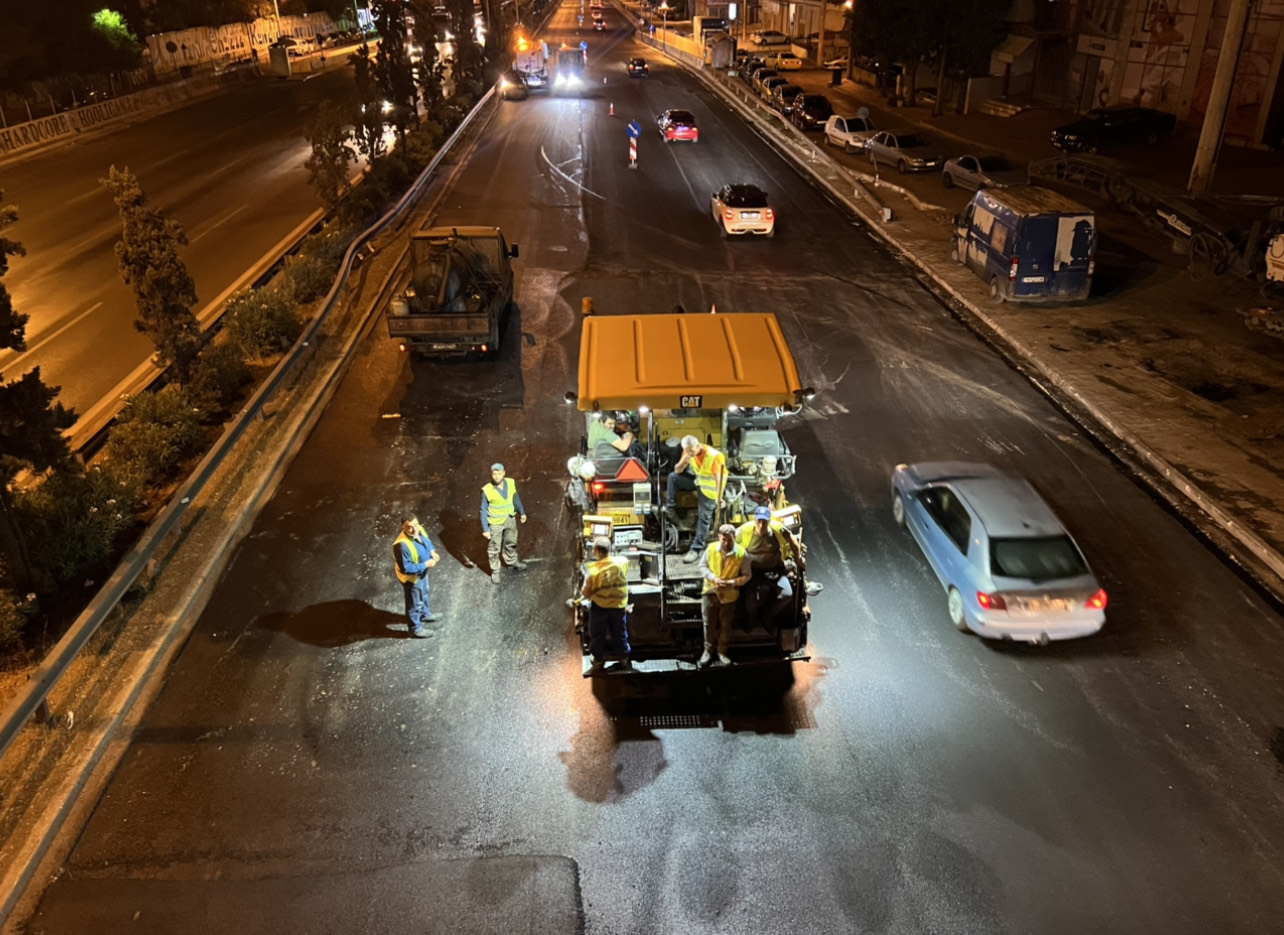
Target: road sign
635, 129
583, 45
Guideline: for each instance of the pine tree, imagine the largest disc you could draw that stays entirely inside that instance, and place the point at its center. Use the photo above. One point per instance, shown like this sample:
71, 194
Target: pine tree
31, 422
429, 69
164, 292
332, 154
392, 70
367, 121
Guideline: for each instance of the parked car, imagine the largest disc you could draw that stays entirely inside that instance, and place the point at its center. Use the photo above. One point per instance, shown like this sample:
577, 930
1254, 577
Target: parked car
784, 61
638, 68
761, 75
768, 37
677, 124
782, 97
512, 86
905, 149
765, 88
1114, 126
974, 172
1029, 244
810, 111
1010, 568
851, 133
748, 67
741, 208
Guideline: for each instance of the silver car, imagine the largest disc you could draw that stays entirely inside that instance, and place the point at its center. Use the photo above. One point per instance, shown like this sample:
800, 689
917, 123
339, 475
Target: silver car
905, 149
975, 172
1009, 568
851, 133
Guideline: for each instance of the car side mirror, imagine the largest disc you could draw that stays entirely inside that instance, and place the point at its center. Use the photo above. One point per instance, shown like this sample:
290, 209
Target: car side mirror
512, 250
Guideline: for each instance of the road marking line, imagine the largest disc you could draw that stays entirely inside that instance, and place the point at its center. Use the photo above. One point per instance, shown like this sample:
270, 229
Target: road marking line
45, 339
217, 224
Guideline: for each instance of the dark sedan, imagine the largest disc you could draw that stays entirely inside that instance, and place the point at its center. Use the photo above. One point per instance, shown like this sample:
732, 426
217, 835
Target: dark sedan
810, 111
1114, 126
638, 68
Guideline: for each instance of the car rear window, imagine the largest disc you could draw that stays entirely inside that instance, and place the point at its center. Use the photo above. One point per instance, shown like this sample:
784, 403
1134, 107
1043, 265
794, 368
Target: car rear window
681, 116
746, 198
1044, 558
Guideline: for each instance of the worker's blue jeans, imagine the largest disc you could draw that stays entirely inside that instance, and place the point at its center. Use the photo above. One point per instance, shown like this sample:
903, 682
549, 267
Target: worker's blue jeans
608, 624
704, 518
417, 612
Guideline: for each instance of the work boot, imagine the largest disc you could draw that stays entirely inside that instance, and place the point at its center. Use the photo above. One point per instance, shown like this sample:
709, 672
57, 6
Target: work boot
624, 665
705, 658
671, 512
692, 556
597, 668
432, 618
420, 634
722, 660
520, 566
494, 576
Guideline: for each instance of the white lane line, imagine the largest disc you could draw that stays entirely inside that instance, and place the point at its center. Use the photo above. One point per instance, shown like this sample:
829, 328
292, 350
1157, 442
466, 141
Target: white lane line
45, 339
587, 191
217, 224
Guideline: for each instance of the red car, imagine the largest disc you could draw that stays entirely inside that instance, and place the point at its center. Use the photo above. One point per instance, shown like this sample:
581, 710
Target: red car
678, 125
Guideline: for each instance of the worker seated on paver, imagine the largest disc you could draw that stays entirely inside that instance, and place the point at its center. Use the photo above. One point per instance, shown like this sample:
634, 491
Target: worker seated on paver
776, 559
707, 476
606, 441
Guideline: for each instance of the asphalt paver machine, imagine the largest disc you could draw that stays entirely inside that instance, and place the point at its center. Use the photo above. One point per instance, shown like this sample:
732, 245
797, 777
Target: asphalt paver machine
729, 380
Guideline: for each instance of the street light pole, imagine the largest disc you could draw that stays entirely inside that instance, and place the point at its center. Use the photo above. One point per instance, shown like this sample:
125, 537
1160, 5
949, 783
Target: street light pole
664, 35
277, 10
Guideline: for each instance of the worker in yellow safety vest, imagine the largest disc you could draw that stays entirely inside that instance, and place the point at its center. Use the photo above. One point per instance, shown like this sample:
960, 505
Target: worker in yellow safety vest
707, 477
775, 558
501, 508
724, 565
607, 590
413, 555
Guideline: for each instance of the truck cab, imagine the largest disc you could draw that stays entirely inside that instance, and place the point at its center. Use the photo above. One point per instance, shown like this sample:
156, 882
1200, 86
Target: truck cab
729, 380
459, 290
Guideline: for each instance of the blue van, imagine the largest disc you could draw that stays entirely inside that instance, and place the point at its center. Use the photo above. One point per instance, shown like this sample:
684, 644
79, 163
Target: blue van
1030, 244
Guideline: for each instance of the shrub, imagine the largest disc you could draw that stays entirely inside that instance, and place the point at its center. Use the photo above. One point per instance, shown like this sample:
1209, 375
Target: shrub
11, 622
262, 322
73, 522
153, 434
311, 273
219, 374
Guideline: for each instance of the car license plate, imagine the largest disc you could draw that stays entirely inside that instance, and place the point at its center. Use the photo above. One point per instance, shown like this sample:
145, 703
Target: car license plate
1040, 605
443, 347
1034, 279
750, 215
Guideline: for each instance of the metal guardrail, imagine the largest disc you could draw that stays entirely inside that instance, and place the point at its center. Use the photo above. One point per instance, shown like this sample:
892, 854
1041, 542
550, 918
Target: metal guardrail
47, 674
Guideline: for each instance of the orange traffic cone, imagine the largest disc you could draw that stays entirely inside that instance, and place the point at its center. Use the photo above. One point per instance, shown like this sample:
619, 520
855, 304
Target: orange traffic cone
612, 108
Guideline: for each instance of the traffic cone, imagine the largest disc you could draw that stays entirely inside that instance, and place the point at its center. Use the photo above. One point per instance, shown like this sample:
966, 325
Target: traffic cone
612, 108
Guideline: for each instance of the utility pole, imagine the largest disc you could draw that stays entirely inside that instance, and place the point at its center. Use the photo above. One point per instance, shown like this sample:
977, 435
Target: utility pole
1210, 135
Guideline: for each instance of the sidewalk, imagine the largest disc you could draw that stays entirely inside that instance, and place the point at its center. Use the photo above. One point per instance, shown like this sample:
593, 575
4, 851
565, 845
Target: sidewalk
1160, 366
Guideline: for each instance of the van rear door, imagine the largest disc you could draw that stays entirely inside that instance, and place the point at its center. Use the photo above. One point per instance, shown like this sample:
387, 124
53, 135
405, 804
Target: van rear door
1055, 254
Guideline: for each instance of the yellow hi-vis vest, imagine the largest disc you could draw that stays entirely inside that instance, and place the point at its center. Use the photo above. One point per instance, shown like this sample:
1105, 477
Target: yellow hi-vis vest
727, 567
499, 506
744, 535
414, 557
608, 581
710, 471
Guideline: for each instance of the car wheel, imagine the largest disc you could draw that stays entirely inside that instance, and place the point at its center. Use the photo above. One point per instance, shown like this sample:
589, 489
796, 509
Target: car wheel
771, 233
954, 604
830, 142
996, 290
947, 180
902, 167
722, 229
898, 508
847, 148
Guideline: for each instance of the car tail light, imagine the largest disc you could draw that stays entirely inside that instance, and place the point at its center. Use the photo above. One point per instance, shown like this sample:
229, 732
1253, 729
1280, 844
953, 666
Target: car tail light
729, 214
598, 486
769, 214
1012, 270
401, 346
484, 348
1098, 601
991, 601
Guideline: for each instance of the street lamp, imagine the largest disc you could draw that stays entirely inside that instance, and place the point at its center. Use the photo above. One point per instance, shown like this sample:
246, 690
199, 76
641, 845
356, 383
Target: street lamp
664, 36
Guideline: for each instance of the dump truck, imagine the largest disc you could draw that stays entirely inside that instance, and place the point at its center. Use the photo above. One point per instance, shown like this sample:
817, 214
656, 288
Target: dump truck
729, 380
459, 291
531, 59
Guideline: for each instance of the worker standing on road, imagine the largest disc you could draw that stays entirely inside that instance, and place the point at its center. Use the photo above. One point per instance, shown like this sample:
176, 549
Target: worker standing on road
607, 591
725, 568
413, 554
774, 555
501, 508
707, 478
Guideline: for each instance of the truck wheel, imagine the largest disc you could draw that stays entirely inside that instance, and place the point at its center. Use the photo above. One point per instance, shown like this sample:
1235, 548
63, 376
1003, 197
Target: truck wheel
996, 290
954, 605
